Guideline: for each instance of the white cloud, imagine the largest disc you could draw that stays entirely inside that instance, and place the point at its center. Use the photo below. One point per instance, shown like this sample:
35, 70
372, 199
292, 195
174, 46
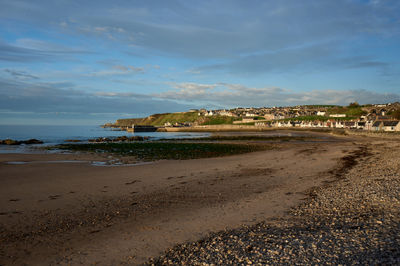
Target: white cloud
47, 47
233, 95
118, 70
121, 95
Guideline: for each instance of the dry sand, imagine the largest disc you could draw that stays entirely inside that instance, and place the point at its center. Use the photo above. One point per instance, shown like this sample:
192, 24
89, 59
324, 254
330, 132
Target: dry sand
354, 220
54, 211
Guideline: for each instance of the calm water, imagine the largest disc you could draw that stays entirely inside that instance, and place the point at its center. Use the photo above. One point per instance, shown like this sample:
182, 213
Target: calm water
58, 134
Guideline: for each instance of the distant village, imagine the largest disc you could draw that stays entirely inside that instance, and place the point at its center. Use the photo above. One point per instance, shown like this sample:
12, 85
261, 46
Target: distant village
373, 117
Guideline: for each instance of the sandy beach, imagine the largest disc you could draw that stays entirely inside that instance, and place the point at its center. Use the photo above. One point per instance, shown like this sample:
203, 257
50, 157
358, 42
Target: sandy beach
62, 209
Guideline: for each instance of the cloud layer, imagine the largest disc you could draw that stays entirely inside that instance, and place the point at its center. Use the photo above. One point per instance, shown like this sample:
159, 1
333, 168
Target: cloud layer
233, 95
142, 57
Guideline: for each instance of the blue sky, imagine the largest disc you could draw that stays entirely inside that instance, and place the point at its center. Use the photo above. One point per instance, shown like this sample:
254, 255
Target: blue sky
91, 62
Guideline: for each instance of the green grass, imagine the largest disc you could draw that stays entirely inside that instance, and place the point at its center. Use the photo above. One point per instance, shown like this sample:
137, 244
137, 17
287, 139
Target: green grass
129, 122
355, 111
162, 150
160, 119
246, 124
395, 114
218, 120
349, 111
172, 118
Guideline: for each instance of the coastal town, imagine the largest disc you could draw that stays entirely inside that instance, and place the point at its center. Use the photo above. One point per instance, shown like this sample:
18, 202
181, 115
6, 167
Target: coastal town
371, 117
377, 117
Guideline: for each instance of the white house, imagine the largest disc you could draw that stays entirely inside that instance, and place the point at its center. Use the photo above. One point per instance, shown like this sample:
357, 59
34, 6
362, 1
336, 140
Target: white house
250, 114
391, 125
337, 115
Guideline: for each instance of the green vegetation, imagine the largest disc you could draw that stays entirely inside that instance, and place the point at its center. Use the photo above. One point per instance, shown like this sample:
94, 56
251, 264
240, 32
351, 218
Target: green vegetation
161, 119
353, 110
395, 114
320, 106
354, 105
246, 124
150, 151
337, 110
218, 120
129, 122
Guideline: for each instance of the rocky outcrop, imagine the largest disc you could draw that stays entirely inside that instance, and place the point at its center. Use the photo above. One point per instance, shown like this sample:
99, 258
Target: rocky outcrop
19, 142
119, 139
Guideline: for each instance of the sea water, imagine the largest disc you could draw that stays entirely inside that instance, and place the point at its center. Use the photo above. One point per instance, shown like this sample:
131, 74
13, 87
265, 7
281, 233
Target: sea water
51, 135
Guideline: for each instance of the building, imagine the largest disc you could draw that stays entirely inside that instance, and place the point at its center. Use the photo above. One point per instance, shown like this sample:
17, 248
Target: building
337, 115
391, 126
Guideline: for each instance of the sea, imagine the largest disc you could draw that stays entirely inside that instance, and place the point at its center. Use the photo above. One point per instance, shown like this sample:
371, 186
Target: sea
52, 135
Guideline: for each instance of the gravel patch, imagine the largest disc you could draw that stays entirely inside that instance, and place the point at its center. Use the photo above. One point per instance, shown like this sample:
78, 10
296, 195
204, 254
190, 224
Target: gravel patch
353, 220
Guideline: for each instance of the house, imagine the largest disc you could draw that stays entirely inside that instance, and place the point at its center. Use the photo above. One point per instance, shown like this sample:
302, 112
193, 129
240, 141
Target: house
368, 125
391, 126
337, 115
210, 113
350, 125
269, 116
360, 125
295, 123
226, 113
260, 124
250, 114
279, 117
383, 117
321, 113
377, 125
339, 124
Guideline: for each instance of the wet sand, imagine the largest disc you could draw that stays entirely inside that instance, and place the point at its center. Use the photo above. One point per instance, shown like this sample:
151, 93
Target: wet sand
77, 213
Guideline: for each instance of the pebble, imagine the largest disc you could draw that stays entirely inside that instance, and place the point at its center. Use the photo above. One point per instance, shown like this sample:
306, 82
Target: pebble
355, 220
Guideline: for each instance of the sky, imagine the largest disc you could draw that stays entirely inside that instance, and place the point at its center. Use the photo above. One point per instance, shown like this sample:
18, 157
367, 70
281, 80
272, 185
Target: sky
91, 62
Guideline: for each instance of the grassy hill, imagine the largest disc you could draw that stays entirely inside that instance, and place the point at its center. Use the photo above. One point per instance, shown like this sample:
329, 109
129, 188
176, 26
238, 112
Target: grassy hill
160, 119
218, 120
128, 122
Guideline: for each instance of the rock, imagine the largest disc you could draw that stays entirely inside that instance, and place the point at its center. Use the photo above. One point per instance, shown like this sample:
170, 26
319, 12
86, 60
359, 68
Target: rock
32, 141
17, 142
10, 142
119, 139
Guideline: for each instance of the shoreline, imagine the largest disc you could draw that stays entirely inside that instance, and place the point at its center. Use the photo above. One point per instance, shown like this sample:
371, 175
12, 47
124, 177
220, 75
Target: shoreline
134, 213
352, 219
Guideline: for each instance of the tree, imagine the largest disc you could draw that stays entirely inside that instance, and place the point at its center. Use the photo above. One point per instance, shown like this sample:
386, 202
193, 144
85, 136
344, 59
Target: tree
396, 114
354, 105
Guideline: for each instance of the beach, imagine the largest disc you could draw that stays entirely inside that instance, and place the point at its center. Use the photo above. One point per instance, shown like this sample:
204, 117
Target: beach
63, 209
